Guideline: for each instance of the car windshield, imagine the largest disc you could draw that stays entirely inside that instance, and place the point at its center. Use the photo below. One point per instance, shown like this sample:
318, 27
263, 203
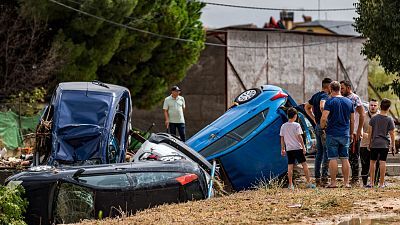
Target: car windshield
236, 135
81, 107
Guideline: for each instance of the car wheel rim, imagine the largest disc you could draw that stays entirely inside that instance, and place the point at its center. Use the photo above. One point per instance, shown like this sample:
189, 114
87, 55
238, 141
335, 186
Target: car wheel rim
247, 95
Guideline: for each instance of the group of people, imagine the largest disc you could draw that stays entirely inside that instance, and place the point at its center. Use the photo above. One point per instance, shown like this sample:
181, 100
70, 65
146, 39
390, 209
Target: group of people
343, 131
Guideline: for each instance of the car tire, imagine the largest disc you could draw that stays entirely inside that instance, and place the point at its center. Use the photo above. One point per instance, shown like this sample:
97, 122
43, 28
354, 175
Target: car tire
247, 95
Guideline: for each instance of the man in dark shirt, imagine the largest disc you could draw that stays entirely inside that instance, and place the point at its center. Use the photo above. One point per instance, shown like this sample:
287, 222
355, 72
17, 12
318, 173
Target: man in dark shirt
314, 108
338, 120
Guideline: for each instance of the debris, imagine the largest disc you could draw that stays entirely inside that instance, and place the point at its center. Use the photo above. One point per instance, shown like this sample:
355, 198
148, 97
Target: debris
3, 152
294, 206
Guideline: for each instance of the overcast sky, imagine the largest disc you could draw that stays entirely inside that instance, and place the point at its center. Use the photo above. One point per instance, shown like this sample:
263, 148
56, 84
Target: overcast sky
219, 16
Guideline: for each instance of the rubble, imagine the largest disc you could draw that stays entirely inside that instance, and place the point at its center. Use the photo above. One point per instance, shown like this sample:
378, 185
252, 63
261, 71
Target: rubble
21, 157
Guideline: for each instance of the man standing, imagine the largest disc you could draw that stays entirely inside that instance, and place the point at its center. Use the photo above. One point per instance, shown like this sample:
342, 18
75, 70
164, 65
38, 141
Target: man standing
173, 107
314, 108
364, 151
380, 126
338, 120
354, 150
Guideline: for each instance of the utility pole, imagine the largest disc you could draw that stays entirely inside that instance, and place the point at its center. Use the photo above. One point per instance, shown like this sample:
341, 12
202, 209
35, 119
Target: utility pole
319, 9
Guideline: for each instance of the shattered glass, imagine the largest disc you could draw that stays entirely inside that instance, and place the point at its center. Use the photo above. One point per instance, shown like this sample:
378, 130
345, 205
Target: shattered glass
151, 178
73, 204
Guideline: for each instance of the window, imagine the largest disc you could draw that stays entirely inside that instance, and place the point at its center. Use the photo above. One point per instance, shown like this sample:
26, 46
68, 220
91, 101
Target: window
73, 204
220, 145
236, 135
152, 178
117, 133
107, 180
249, 126
80, 107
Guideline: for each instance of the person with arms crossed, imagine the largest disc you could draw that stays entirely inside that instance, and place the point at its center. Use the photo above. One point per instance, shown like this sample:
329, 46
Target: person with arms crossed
314, 108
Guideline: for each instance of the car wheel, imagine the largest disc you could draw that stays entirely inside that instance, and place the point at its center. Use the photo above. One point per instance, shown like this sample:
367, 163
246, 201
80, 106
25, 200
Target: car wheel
247, 95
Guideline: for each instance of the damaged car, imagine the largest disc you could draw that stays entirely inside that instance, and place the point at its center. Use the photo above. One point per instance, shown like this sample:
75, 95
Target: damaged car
70, 194
68, 188
245, 140
85, 123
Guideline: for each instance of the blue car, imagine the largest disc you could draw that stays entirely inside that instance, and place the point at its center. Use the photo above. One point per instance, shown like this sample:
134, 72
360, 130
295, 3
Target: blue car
245, 140
85, 123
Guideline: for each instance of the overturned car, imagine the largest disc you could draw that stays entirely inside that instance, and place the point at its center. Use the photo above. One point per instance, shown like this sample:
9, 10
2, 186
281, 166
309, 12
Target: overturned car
245, 140
70, 194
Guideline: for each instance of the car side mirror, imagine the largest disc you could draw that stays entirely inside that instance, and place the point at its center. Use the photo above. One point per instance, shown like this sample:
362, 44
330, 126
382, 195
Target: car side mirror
78, 173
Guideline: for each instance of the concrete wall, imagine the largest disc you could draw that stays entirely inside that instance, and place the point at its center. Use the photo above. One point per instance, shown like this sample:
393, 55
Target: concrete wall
221, 74
299, 68
203, 89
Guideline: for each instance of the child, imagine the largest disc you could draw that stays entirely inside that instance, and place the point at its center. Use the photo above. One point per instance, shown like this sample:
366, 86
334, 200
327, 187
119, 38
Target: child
380, 126
292, 141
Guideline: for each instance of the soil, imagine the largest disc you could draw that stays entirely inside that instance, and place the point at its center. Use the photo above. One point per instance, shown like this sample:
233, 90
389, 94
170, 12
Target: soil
276, 205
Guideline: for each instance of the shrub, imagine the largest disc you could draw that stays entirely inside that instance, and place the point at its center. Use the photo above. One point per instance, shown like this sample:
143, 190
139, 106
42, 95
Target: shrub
12, 205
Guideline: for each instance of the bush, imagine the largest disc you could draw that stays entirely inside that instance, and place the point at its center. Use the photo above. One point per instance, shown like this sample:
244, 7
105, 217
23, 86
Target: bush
12, 205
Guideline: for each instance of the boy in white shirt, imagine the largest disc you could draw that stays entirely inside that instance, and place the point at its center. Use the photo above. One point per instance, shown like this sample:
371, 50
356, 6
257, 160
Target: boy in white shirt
292, 144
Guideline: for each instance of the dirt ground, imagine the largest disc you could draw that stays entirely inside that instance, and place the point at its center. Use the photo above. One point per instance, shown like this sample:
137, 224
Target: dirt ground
277, 205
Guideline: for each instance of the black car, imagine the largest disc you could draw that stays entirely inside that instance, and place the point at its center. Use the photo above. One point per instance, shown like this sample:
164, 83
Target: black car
69, 194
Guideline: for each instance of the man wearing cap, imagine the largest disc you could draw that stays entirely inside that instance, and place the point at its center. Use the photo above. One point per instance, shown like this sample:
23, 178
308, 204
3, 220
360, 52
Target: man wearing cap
173, 107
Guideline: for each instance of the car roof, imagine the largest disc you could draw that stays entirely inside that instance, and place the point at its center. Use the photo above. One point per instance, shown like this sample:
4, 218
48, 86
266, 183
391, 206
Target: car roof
111, 89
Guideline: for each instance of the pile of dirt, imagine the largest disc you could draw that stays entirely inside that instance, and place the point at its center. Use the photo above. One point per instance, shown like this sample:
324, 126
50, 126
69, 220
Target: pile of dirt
273, 205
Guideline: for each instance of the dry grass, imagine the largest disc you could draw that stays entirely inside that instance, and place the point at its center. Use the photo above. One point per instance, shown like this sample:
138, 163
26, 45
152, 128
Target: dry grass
268, 205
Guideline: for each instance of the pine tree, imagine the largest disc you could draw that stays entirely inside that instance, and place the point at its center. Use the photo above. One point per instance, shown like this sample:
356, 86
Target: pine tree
96, 49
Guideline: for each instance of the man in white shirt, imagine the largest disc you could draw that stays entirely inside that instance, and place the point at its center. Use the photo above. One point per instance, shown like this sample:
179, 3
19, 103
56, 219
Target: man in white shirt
174, 106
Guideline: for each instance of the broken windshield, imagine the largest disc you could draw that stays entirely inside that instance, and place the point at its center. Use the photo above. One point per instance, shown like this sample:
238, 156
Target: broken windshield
82, 107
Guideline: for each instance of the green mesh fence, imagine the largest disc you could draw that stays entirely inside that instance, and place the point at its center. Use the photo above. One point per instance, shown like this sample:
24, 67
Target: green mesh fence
11, 135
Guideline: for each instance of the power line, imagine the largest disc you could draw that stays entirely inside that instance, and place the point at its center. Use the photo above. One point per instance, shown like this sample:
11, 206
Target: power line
193, 41
278, 9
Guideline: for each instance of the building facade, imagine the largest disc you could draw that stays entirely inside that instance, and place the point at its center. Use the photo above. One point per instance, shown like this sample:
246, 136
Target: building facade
294, 60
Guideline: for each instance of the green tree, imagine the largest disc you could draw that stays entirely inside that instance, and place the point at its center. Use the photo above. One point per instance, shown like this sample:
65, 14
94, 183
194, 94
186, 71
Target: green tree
378, 77
96, 49
379, 22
